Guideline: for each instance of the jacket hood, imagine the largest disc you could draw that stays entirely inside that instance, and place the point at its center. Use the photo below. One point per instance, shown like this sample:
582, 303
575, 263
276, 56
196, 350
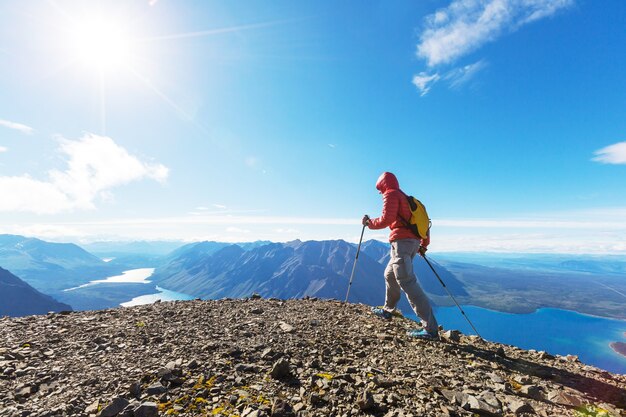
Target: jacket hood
387, 181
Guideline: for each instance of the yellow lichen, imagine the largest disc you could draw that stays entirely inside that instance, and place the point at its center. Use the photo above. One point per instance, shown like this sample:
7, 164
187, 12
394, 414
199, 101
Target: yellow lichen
325, 375
515, 385
210, 382
590, 410
261, 400
181, 399
163, 406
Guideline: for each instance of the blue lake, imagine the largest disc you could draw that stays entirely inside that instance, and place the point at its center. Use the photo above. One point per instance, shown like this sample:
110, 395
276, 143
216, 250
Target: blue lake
552, 330
163, 295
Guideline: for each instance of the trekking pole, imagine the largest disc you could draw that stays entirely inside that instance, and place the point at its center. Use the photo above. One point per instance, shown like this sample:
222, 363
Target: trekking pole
358, 250
450, 294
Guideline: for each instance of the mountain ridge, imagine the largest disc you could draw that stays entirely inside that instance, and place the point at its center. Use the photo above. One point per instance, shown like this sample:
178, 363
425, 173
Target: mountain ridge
17, 298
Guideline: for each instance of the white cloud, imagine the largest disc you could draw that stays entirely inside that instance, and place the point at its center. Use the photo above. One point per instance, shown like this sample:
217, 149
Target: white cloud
220, 206
95, 164
3, 149
17, 126
459, 76
466, 25
332, 145
424, 81
612, 154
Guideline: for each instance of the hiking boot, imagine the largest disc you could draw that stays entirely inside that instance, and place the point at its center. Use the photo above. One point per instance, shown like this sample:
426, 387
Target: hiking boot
382, 313
423, 334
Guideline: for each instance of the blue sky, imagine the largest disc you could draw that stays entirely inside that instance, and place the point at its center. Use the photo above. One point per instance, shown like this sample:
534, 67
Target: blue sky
209, 120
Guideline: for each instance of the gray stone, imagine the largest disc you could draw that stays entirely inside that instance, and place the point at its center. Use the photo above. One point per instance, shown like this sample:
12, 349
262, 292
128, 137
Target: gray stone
281, 369
365, 401
455, 397
114, 408
491, 399
23, 391
500, 352
520, 407
452, 336
246, 367
281, 408
93, 407
147, 409
135, 389
531, 391
156, 389
285, 327
481, 407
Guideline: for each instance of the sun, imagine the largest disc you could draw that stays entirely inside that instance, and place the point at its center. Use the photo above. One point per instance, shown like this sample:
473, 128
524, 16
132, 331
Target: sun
101, 43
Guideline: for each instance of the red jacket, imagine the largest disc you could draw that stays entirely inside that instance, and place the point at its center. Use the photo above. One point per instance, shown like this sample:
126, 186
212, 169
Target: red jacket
395, 208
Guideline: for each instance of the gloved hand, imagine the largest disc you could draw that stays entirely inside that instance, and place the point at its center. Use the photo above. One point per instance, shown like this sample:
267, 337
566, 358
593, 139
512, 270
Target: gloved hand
366, 220
422, 250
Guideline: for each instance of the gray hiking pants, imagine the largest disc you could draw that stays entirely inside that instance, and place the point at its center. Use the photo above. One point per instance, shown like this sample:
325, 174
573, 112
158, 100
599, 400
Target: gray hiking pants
399, 275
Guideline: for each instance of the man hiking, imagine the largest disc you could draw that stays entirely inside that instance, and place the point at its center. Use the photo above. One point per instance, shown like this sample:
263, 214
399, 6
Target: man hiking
404, 246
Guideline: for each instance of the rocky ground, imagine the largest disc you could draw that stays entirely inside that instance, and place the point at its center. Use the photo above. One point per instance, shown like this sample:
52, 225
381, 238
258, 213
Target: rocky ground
255, 357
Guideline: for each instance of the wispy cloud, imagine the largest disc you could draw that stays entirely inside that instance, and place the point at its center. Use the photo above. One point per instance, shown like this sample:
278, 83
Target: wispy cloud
612, 154
462, 75
466, 25
27, 130
220, 206
3, 149
424, 81
95, 165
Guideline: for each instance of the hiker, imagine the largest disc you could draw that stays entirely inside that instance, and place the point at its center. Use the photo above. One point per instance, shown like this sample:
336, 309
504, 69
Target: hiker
404, 246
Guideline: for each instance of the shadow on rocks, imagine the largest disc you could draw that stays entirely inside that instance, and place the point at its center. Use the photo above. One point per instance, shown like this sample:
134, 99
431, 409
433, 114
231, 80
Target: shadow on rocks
593, 388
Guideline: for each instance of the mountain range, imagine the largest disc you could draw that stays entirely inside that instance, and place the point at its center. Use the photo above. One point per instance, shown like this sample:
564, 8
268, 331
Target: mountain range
47, 266
288, 270
503, 282
282, 270
17, 298
322, 269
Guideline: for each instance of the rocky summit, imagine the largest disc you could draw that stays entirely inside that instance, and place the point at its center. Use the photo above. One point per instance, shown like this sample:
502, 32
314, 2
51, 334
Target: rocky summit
258, 357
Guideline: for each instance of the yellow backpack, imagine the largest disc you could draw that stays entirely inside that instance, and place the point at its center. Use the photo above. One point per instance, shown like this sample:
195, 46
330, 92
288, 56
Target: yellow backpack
419, 223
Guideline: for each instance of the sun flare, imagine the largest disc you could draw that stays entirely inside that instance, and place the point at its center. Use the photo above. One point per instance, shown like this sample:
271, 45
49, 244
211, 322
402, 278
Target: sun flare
101, 43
